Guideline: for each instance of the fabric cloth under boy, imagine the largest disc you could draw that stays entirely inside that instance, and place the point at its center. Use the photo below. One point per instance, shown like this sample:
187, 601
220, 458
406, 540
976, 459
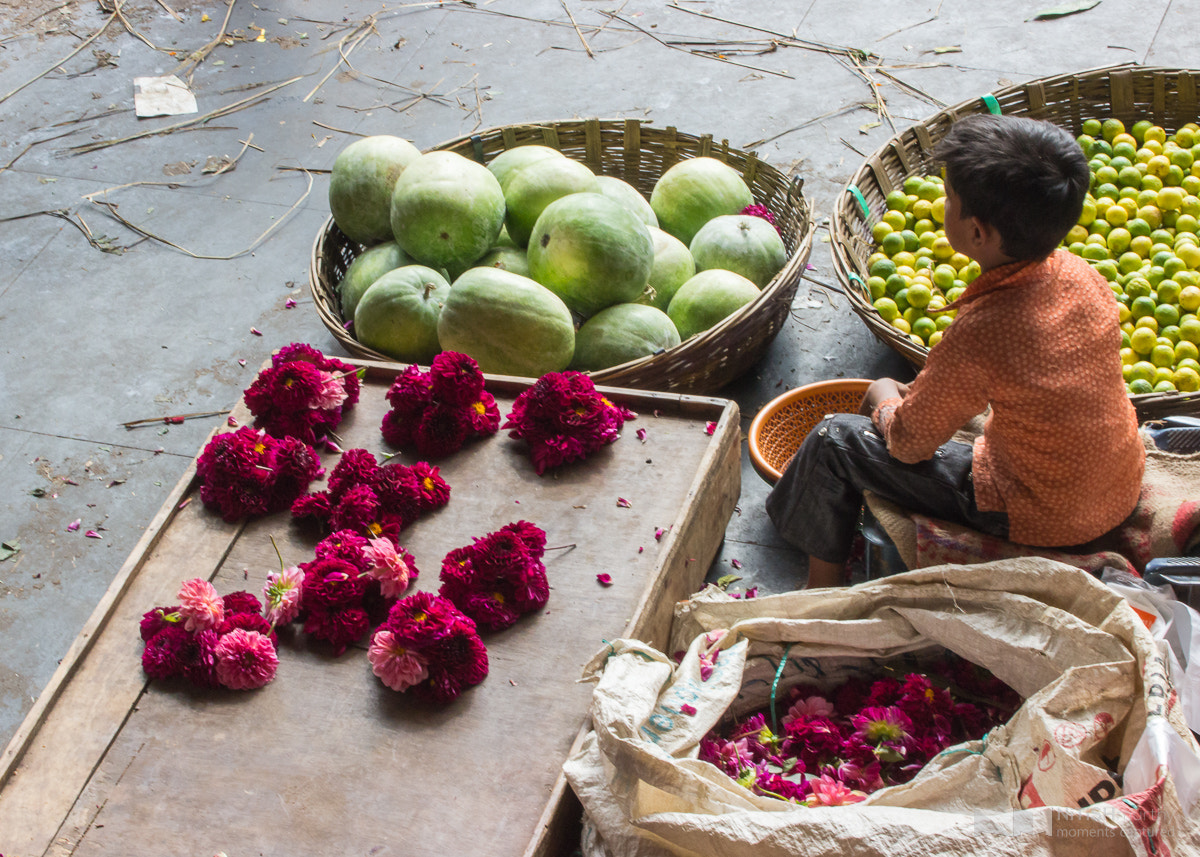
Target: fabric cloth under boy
1039, 342
815, 505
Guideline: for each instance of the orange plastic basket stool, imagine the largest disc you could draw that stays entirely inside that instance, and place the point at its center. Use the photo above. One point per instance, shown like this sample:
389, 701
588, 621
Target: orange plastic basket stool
777, 430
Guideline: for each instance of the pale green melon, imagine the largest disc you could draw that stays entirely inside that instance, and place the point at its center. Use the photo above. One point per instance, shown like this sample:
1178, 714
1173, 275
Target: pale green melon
361, 182
709, 298
530, 188
398, 314
518, 157
741, 243
693, 192
591, 252
509, 324
367, 267
673, 266
511, 259
447, 210
621, 333
619, 190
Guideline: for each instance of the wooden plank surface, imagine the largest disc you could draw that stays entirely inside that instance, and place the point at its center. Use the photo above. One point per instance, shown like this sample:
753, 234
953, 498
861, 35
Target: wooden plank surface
325, 759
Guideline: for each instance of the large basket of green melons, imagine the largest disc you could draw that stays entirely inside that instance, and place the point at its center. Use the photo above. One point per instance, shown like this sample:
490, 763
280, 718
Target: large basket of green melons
1139, 129
700, 360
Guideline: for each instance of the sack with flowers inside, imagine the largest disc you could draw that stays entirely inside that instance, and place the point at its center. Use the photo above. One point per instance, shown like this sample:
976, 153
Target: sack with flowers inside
1011, 708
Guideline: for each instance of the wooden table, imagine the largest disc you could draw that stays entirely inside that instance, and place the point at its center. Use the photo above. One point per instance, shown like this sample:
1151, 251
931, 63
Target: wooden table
325, 760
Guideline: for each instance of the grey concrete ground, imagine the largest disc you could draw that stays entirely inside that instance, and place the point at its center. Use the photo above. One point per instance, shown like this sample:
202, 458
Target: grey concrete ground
101, 325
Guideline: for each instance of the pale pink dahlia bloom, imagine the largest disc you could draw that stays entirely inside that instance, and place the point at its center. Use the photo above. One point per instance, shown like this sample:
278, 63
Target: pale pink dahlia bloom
282, 595
387, 566
396, 667
200, 605
331, 394
245, 659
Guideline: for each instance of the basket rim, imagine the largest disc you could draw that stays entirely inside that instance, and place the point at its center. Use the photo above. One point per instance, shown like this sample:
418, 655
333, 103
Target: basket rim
853, 281
776, 296
763, 467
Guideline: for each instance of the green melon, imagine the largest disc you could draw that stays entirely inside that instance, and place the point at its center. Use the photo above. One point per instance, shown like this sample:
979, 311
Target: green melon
693, 192
619, 190
708, 298
508, 323
361, 182
741, 243
367, 267
591, 252
529, 189
398, 314
512, 259
673, 266
621, 333
446, 210
518, 157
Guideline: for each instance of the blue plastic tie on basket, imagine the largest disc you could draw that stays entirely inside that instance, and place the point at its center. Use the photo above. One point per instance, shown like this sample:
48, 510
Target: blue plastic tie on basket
993, 106
862, 200
775, 686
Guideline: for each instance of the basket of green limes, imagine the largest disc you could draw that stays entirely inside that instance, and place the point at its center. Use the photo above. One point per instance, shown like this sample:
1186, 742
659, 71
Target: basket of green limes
1140, 226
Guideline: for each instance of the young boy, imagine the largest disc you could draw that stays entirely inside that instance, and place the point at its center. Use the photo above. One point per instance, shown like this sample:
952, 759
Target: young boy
1036, 339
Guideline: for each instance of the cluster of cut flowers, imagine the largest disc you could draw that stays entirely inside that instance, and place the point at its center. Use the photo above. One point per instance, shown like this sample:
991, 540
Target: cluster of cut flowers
563, 418
435, 412
248, 473
837, 747
302, 394
372, 499
430, 643
209, 640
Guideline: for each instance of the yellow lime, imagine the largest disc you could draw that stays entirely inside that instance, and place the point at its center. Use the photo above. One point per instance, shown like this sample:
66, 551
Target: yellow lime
887, 309
1168, 291
894, 219
1149, 322
1154, 133
1189, 298
942, 248
1142, 340
1185, 349
1143, 369
919, 296
935, 338
1111, 127
1119, 239
1170, 198
1186, 379
1162, 355
938, 210
901, 325
1189, 330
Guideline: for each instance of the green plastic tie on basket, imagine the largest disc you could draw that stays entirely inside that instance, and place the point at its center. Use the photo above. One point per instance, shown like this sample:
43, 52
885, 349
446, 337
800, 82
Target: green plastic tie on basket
857, 280
993, 106
775, 686
862, 200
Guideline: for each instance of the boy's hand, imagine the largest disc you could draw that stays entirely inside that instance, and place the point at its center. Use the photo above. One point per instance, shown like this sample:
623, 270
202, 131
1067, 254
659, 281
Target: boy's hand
880, 390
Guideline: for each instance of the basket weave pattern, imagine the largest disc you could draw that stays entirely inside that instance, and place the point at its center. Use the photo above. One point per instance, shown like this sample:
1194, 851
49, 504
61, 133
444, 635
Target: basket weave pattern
1167, 97
637, 154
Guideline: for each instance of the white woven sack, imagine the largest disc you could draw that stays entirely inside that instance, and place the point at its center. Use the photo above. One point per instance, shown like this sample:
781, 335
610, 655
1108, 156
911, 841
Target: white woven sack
1097, 761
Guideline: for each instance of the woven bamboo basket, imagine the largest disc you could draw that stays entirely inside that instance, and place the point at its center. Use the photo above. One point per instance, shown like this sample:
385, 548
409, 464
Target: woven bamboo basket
638, 154
1167, 97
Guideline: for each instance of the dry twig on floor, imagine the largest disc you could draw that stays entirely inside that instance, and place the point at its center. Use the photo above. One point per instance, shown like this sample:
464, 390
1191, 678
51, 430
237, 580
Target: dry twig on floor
196, 57
81, 46
363, 30
578, 32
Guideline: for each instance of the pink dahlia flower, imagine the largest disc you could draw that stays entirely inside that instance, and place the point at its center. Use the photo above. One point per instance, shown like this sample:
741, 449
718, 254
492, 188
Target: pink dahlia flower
393, 569
397, 667
245, 659
200, 605
282, 594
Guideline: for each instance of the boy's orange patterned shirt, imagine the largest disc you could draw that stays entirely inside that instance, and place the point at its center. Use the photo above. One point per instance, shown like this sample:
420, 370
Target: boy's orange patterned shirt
1038, 342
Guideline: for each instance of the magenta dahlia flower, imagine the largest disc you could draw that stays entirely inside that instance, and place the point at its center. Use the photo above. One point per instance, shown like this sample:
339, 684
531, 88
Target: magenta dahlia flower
248, 473
302, 394
164, 656
499, 577
430, 629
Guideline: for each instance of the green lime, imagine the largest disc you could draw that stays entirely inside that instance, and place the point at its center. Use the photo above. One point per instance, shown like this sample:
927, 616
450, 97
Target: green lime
1140, 387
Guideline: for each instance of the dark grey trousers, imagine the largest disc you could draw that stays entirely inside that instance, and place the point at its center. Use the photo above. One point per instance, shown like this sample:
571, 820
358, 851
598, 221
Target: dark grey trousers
816, 503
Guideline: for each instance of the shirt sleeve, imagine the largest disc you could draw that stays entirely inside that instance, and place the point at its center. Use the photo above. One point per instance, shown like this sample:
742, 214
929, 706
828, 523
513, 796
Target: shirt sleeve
950, 390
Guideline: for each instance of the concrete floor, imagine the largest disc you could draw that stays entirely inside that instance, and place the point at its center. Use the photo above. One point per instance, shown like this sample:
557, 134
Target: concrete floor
97, 333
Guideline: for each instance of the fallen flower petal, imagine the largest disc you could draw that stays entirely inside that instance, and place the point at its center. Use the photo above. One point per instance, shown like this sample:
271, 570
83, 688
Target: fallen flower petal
710, 427
658, 533
604, 579
256, 331
641, 435
689, 710
231, 422
241, 361
74, 525
92, 534
736, 563
173, 420
623, 503
289, 303
640, 548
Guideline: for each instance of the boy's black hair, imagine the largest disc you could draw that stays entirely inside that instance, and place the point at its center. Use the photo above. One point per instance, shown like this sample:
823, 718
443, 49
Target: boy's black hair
1025, 178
